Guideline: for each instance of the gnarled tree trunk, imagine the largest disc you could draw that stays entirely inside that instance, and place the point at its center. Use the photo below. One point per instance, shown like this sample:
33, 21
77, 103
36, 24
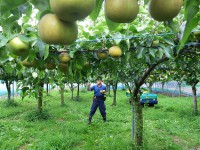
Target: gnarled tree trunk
194, 93
114, 94
108, 89
40, 96
72, 90
179, 87
78, 90
8, 87
163, 85
62, 91
138, 118
47, 88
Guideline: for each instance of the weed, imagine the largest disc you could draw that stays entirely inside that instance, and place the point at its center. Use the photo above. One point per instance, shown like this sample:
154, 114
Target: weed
36, 115
10, 103
83, 90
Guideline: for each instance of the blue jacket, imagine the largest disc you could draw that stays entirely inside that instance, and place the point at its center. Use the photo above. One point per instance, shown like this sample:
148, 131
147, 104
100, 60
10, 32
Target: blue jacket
97, 90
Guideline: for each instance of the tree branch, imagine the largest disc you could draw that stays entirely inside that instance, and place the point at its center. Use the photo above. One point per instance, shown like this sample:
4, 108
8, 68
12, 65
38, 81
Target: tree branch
147, 73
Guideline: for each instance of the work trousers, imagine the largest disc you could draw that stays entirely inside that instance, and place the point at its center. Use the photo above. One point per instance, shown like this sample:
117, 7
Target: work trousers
102, 108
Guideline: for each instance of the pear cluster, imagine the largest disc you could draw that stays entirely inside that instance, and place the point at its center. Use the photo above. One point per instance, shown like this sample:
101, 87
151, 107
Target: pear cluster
125, 11
60, 27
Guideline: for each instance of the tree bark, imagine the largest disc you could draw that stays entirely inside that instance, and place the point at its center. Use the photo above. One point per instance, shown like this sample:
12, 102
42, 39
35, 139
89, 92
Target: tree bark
62, 91
78, 90
108, 89
163, 84
8, 83
138, 118
138, 122
40, 96
72, 91
123, 86
194, 92
47, 90
114, 94
179, 88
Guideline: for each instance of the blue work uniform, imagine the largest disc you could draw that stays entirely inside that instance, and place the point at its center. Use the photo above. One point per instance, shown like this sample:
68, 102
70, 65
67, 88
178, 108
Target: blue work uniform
98, 101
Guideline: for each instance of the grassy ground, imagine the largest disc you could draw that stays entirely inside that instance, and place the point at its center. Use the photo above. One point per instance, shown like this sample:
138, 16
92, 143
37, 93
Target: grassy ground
170, 125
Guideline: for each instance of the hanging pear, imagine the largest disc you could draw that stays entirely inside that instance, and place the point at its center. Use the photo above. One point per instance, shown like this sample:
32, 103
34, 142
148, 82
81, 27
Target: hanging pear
121, 11
164, 10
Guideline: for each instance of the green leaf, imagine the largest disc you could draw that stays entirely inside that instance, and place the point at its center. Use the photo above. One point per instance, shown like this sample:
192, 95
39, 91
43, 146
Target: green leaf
167, 52
24, 92
140, 52
6, 24
70, 69
8, 68
3, 40
41, 75
28, 39
111, 25
97, 9
3, 55
160, 53
152, 52
188, 28
42, 5
7, 5
80, 61
170, 41
192, 18
127, 56
19, 67
46, 51
191, 9
174, 26
41, 47
77, 76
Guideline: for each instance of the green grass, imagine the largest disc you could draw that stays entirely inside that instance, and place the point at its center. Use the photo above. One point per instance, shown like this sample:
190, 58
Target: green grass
171, 125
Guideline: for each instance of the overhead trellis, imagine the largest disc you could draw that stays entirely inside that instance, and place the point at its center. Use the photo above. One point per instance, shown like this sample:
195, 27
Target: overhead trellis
125, 37
190, 45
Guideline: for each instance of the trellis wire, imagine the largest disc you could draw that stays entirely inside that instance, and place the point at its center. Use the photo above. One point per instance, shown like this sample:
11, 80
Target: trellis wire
124, 38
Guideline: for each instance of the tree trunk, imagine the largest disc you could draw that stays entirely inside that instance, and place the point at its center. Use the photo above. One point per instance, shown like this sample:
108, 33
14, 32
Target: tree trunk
194, 92
8, 83
138, 120
78, 90
72, 91
123, 86
108, 89
13, 88
163, 84
179, 88
40, 96
47, 90
62, 91
114, 94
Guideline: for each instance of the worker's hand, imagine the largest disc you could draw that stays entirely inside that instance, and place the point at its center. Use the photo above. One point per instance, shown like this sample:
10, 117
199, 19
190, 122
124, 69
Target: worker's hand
102, 91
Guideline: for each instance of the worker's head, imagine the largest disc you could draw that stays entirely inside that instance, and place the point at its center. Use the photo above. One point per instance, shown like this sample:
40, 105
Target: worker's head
99, 81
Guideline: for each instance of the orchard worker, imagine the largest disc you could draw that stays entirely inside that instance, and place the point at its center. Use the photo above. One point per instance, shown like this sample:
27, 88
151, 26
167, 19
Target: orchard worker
98, 100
